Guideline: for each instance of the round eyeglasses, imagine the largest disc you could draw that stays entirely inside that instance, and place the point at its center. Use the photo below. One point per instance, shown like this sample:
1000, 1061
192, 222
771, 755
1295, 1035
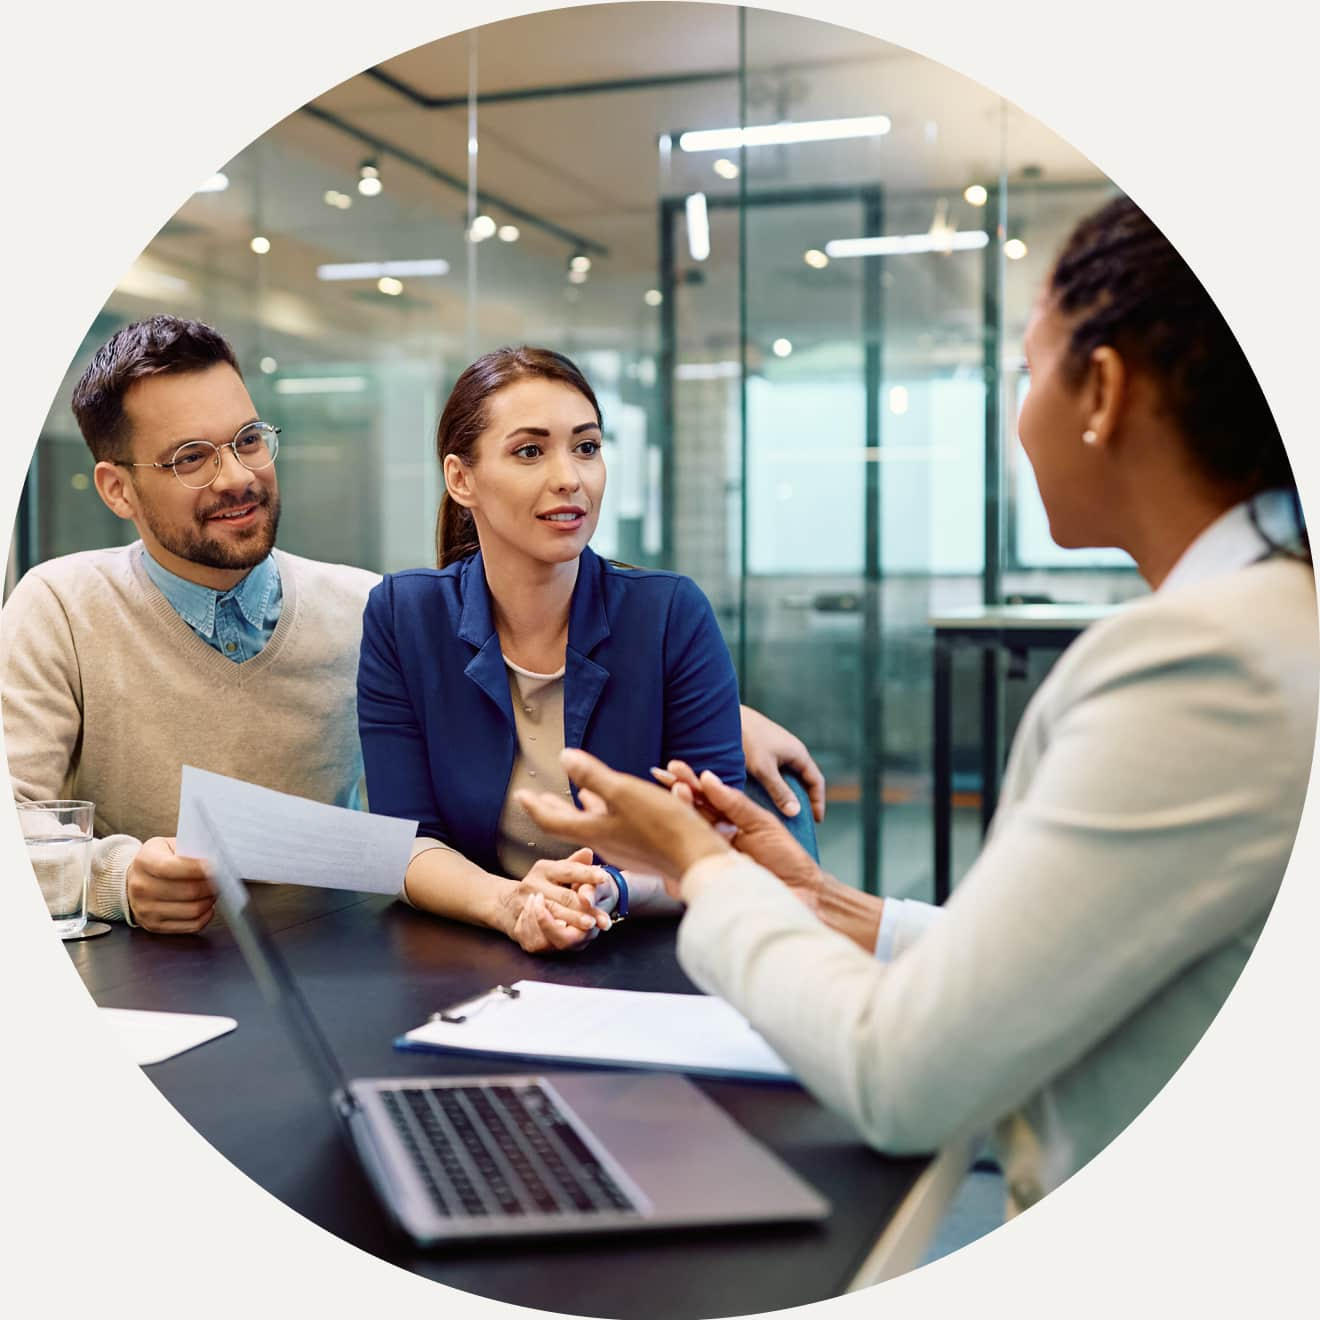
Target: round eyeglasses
197, 463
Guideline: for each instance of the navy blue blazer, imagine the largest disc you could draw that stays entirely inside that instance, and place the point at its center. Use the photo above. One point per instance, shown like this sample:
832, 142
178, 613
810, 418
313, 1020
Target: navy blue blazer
647, 677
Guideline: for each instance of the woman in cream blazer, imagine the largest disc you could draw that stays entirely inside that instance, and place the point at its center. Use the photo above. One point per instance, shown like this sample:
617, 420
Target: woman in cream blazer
1151, 798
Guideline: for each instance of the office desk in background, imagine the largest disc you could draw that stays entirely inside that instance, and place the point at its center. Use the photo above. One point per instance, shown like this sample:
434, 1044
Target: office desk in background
372, 968
996, 630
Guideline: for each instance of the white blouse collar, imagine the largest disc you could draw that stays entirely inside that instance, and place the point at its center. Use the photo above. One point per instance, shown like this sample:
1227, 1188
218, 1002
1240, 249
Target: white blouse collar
1231, 542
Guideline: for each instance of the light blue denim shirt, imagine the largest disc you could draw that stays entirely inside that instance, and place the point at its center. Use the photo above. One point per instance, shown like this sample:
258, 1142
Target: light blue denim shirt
239, 622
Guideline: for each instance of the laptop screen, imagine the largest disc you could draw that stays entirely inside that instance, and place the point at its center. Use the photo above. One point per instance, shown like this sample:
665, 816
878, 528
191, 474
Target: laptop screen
268, 965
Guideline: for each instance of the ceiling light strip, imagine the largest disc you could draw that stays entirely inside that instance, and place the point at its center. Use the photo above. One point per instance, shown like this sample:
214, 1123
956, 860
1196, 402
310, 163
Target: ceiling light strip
321, 385
786, 133
698, 226
897, 245
372, 270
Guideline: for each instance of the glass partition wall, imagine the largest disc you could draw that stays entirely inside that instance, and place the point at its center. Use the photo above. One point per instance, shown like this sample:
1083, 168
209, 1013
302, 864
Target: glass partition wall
806, 342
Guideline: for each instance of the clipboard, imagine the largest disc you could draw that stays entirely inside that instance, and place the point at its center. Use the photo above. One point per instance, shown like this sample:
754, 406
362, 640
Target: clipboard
540, 1020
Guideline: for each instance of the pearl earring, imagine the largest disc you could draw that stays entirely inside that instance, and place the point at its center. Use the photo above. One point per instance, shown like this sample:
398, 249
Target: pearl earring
1090, 438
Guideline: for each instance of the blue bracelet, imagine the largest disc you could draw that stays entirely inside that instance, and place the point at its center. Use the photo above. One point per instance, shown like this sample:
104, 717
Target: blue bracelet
621, 907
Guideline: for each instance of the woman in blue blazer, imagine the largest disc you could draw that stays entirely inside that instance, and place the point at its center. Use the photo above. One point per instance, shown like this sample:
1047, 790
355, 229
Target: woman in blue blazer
475, 675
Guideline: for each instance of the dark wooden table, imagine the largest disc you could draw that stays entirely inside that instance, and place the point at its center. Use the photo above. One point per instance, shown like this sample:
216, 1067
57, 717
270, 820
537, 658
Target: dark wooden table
371, 969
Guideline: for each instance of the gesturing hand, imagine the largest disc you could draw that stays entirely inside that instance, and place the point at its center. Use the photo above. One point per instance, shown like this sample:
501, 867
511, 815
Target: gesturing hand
751, 829
168, 893
626, 820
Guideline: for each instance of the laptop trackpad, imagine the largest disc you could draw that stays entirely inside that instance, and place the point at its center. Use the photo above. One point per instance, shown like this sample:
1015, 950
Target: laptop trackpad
683, 1151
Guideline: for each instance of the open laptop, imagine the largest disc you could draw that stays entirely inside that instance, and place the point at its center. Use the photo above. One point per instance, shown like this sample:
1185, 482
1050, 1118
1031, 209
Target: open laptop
515, 1155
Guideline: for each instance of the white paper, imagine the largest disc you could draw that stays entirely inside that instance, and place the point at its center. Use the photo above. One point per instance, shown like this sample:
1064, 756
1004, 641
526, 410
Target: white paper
211, 845
289, 840
685, 1033
154, 1037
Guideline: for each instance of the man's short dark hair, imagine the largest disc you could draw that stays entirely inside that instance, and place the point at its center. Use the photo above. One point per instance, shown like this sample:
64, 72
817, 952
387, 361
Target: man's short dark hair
145, 348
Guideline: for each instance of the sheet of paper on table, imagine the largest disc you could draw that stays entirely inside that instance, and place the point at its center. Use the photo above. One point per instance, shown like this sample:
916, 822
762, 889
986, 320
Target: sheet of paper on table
155, 1037
288, 840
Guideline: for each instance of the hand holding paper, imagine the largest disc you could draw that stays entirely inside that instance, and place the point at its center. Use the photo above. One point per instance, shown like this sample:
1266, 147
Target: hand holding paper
288, 840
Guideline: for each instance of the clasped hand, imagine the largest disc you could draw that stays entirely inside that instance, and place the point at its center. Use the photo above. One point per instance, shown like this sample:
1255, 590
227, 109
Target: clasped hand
554, 908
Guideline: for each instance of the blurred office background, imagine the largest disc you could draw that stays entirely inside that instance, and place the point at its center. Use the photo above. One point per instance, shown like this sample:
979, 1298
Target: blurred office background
823, 440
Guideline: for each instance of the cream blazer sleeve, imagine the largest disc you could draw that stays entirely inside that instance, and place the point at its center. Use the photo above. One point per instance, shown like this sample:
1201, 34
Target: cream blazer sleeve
1148, 812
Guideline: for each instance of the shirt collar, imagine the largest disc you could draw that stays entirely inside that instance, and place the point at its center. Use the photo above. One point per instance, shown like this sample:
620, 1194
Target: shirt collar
1231, 542
196, 605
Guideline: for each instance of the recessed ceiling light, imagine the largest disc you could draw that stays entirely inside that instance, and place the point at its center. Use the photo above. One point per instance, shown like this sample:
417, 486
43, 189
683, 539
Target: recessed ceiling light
369, 183
388, 284
482, 228
509, 233
260, 244
1015, 249
653, 297
269, 365
898, 400
782, 347
579, 262
577, 276
815, 258
725, 168
975, 195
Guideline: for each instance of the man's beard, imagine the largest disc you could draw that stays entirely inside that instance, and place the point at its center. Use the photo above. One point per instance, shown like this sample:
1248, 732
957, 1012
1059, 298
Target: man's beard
192, 543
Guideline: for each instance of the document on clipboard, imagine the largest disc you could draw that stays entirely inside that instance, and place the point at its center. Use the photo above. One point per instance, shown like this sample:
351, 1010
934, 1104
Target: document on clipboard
696, 1034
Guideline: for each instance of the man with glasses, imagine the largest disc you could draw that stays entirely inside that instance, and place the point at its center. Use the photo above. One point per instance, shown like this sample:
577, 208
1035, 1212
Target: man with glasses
198, 644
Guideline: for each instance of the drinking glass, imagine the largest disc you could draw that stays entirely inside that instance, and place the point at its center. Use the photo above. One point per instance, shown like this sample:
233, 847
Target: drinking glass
59, 846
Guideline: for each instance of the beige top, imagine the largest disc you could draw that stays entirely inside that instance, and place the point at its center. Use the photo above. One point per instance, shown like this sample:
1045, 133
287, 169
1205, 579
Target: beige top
538, 717
108, 693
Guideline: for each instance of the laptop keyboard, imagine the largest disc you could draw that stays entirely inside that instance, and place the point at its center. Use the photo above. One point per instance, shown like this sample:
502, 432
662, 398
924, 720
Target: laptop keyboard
501, 1150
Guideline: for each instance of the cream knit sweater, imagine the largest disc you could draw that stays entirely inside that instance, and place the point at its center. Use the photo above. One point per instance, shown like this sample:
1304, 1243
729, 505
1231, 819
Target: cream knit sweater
107, 694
